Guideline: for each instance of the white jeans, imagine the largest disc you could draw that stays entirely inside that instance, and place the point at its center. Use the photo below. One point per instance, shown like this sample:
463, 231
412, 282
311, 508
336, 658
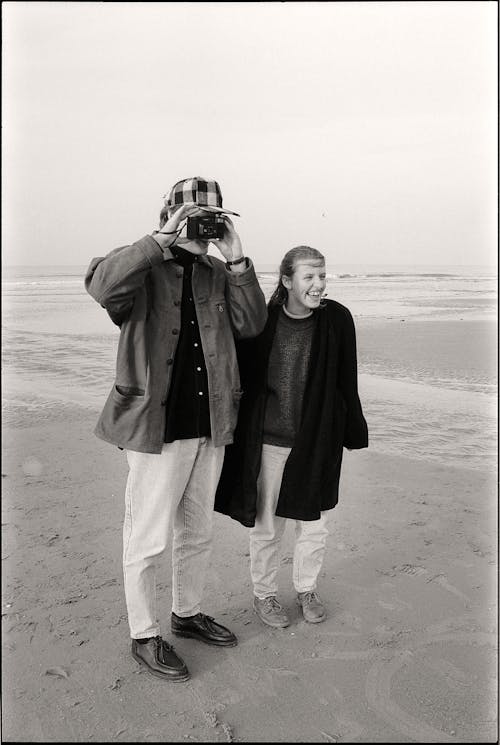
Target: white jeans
265, 537
174, 492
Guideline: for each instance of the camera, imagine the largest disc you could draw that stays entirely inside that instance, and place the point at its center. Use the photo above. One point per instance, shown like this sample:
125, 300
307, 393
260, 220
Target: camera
206, 227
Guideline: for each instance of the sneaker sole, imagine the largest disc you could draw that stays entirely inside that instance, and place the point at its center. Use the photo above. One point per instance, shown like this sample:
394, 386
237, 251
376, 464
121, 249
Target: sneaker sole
213, 643
163, 676
315, 620
272, 625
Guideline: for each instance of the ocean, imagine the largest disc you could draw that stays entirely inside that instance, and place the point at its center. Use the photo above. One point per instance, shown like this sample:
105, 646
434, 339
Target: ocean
426, 338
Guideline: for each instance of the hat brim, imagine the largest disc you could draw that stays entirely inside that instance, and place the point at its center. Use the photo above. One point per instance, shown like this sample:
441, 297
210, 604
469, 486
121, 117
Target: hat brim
208, 208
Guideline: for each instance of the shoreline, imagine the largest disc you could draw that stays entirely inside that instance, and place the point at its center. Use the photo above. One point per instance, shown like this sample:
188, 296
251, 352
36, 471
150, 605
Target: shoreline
427, 421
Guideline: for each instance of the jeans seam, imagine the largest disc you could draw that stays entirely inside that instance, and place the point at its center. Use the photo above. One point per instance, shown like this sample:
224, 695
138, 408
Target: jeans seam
128, 520
128, 510
185, 520
180, 559
130, 513
298, 555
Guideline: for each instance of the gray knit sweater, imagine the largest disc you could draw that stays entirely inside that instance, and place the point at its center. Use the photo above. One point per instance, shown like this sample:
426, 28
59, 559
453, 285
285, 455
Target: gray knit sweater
286, 379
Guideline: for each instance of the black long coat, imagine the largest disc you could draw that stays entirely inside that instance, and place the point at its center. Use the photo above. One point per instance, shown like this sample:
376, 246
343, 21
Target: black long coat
332, 418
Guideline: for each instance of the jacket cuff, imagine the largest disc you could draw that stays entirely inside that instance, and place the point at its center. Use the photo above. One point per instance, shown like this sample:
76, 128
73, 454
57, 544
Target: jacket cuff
151, 250
246, 277
356, 443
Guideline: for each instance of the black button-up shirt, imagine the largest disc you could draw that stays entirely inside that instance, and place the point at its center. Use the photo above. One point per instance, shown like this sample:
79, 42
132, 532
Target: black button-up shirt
188, 413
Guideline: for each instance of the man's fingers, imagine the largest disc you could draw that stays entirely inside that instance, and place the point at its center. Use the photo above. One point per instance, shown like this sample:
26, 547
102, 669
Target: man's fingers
189, 209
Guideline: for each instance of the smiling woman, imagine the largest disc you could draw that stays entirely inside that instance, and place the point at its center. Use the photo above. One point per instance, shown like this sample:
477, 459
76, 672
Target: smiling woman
300, 408
302, 280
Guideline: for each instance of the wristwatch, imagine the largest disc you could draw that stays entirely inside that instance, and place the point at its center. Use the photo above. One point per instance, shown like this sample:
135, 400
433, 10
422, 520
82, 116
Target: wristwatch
229, 264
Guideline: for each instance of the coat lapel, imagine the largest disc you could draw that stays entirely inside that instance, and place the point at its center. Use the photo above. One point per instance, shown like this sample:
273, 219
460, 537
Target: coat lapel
317, 444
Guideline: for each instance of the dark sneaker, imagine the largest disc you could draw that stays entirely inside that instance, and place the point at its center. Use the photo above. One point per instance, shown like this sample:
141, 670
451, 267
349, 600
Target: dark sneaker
159, 659
312, 607
204, 628
271, 612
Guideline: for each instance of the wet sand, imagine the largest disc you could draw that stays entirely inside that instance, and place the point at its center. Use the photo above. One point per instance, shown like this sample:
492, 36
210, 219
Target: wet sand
407, 653
452, 353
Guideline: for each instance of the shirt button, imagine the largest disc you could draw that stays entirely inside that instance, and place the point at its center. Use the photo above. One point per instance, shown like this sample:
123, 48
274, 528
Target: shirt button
170, 361
199, 369
175, 331
200, 393
196, 344
192, 322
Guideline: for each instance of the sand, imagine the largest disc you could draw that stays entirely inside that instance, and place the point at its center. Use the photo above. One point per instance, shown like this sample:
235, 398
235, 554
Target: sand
407, 653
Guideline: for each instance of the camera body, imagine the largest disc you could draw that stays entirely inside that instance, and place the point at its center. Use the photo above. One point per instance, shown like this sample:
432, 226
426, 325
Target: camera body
206, 227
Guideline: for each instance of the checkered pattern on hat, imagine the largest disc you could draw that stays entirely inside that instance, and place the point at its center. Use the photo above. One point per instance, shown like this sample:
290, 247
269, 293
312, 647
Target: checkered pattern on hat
201, 191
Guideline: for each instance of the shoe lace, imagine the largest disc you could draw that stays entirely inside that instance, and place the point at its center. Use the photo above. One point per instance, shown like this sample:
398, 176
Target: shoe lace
208, 621
162, 647
310, 597
272, 604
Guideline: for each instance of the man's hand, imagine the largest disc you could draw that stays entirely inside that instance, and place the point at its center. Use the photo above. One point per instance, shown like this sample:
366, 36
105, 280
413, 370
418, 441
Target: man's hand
170, 231
189, 209
230, 245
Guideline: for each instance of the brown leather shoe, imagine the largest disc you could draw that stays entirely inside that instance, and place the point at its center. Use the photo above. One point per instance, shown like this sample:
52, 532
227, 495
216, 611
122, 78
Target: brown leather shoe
204, 628
270, 611
313, 609
159, 658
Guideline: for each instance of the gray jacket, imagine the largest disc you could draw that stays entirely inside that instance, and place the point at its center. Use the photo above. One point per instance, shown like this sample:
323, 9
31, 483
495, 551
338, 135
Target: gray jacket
140, 286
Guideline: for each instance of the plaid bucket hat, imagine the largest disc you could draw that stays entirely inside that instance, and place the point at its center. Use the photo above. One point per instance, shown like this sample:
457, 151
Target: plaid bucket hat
204, 192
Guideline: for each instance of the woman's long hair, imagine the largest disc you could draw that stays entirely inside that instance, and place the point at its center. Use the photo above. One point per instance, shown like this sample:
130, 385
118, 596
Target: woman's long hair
287, 268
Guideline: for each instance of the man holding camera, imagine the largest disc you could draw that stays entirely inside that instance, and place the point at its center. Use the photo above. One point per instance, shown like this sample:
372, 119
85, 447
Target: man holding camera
174, 404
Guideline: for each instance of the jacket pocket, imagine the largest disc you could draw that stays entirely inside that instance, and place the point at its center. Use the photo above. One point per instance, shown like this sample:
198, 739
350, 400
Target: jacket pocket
128, 395
220, 306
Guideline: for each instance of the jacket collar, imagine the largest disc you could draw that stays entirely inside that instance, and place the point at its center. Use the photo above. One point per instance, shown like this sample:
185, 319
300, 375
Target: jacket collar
183, 257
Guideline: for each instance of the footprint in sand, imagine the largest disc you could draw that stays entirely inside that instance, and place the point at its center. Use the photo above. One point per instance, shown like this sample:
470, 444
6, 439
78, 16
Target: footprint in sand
385, 683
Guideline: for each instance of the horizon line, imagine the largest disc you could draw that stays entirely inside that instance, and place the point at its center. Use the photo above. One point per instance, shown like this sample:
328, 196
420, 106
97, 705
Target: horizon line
263, 263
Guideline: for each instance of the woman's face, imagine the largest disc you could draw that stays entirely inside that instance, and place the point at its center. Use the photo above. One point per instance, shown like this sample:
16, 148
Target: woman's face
305, 286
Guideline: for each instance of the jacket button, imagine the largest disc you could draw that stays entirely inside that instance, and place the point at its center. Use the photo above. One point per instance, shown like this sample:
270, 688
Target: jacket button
164, 402
170, 361
177, 303
175, 331
179, 273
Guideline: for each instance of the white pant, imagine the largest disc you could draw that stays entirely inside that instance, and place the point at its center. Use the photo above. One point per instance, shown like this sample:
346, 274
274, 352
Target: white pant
265, 537
174, 492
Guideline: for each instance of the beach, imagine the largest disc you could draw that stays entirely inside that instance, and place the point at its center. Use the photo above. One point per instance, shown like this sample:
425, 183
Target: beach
408, 651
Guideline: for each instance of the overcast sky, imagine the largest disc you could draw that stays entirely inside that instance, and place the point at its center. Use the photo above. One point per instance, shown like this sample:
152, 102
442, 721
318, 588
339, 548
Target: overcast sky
367, 130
